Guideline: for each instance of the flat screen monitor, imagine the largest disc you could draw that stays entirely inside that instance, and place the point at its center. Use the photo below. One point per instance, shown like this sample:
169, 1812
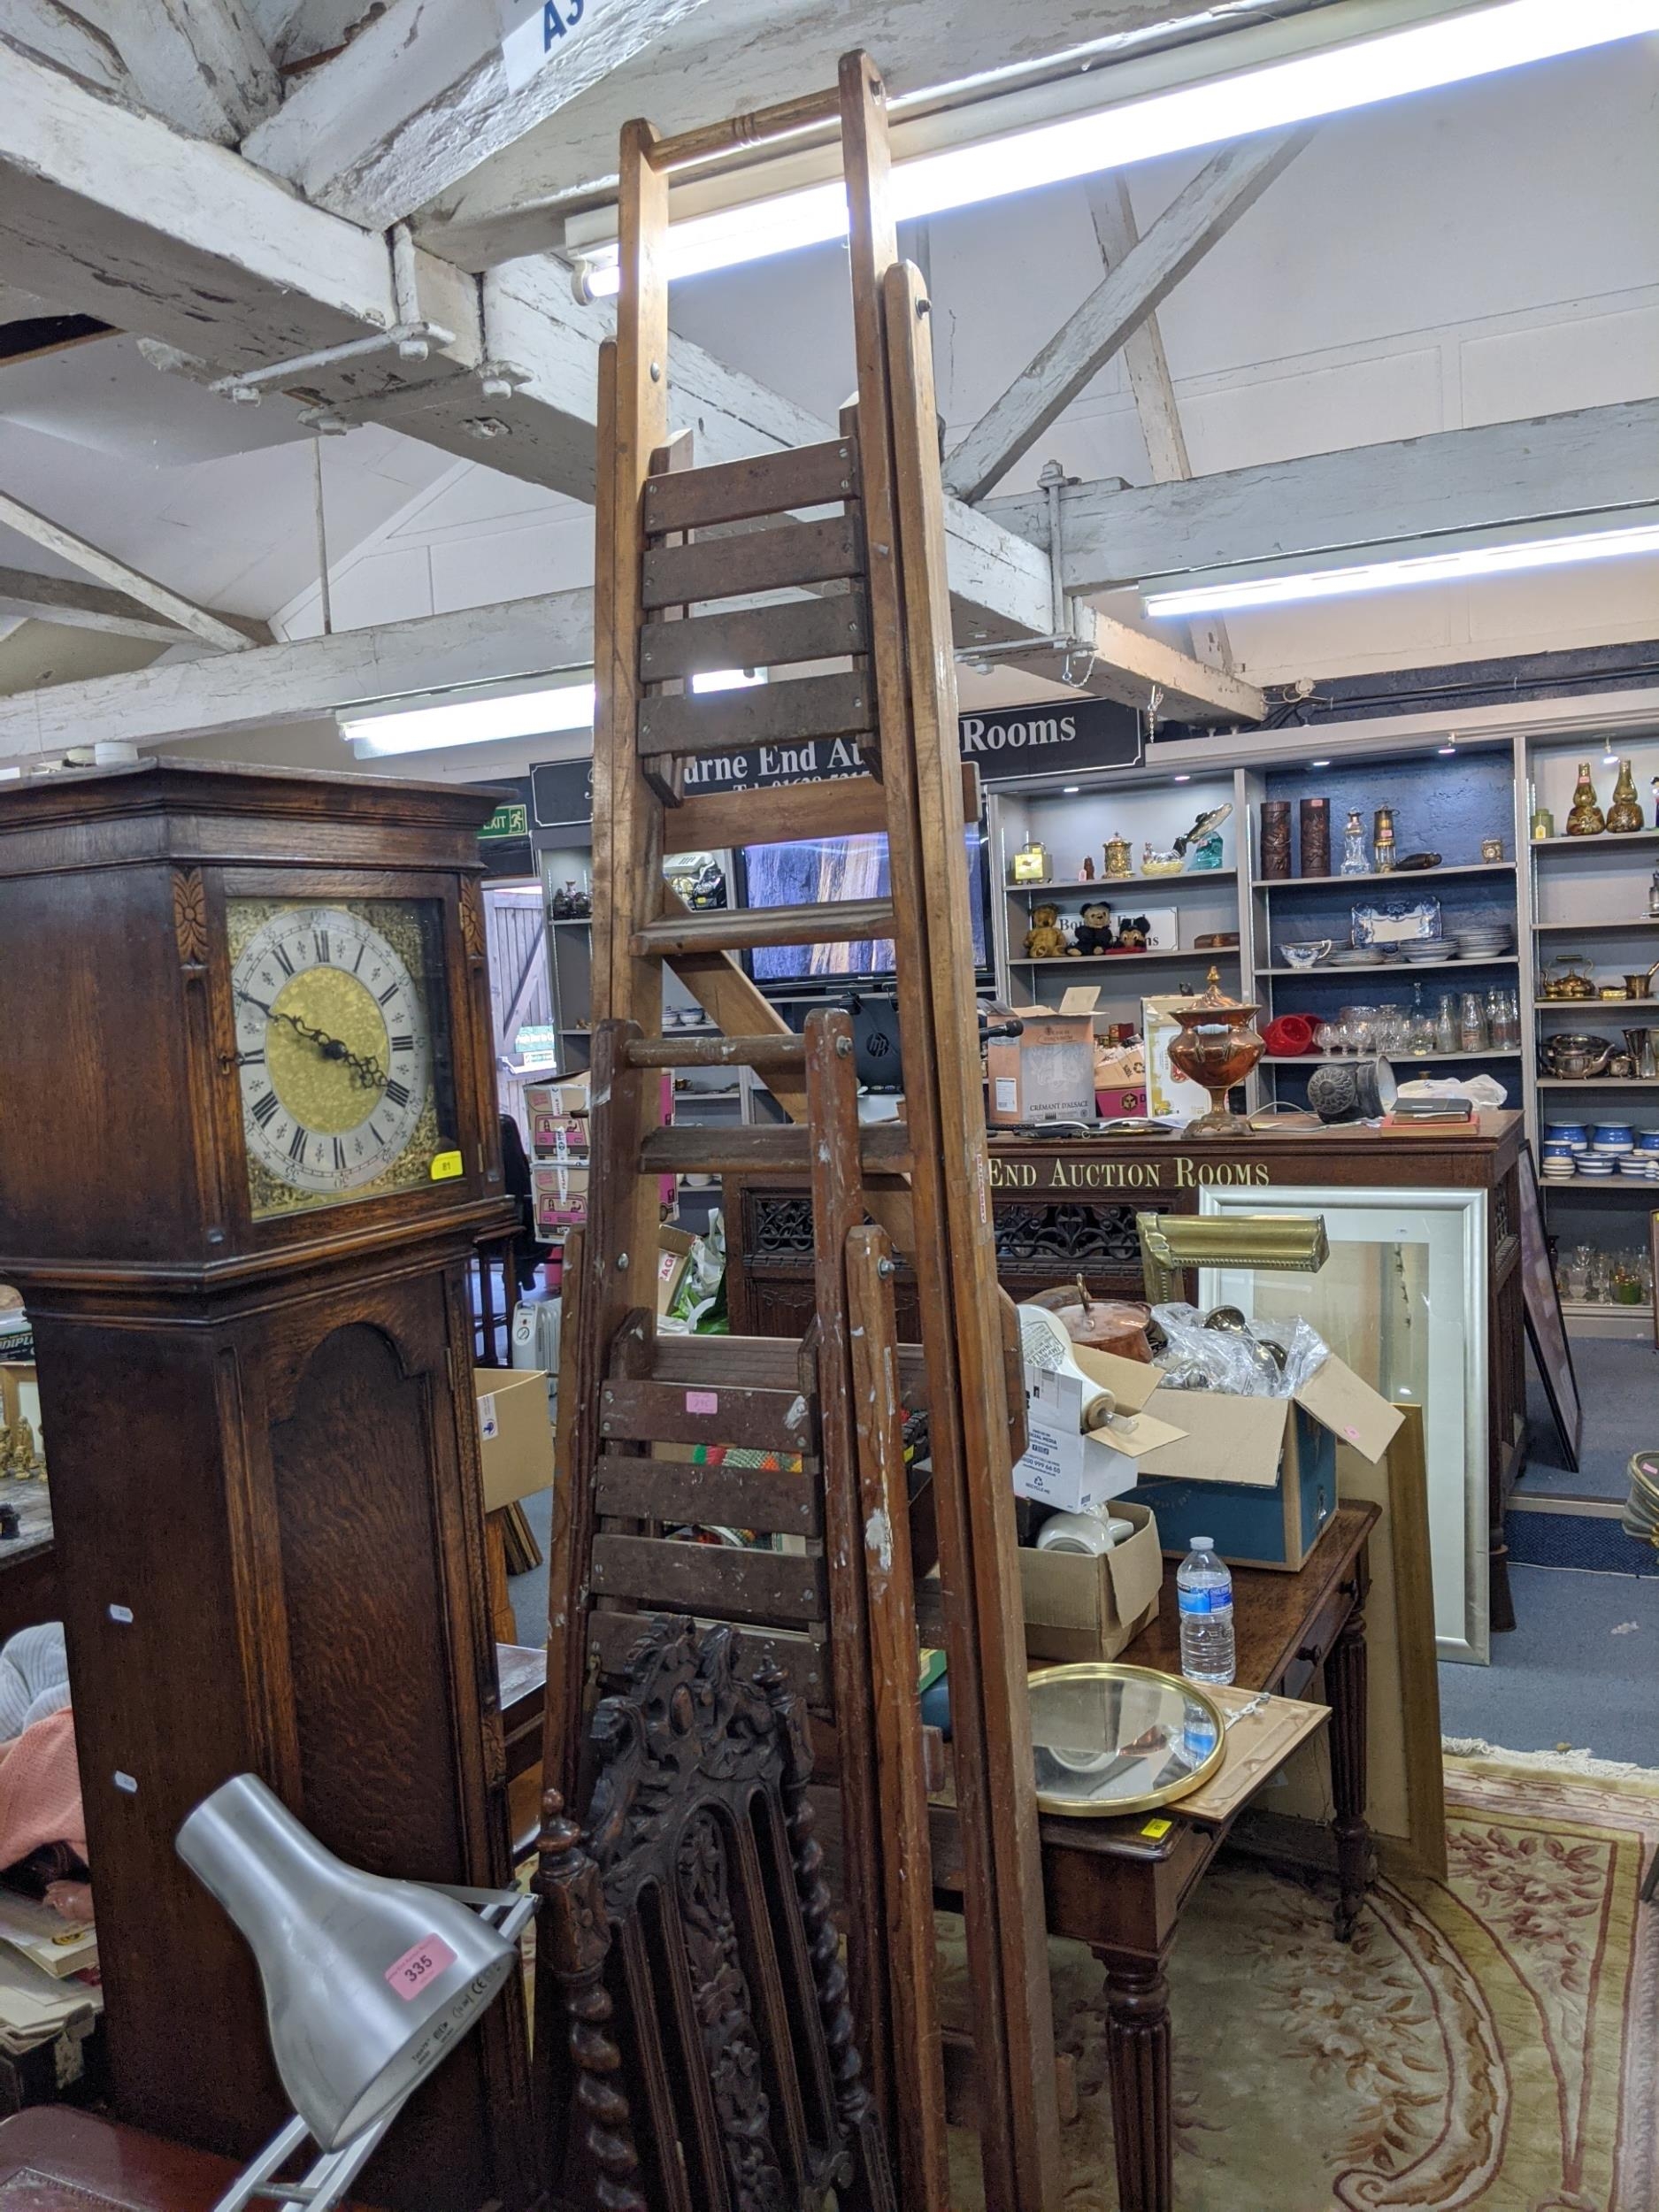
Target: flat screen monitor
818, 871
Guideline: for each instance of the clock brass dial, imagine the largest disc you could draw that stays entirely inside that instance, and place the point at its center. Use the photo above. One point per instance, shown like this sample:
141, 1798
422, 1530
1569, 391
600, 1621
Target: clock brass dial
342, 1048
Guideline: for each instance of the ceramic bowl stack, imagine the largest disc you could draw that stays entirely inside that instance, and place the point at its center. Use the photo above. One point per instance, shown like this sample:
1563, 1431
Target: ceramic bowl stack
1483, 940
1359, 956
1643, 1164
1415, 950
1565, 1144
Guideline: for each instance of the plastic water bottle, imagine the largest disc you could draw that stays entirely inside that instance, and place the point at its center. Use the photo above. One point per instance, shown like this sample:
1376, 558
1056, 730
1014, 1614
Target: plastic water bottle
1204, 1591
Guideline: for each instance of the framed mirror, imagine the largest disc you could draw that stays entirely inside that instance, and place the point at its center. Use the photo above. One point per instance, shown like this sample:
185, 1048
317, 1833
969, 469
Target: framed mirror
1111, 1740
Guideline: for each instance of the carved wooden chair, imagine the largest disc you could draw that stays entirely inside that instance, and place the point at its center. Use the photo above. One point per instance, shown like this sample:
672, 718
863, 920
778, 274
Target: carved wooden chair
693, 2041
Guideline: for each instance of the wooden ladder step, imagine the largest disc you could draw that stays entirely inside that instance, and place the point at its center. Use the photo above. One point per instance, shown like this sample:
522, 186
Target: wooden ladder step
717, 1052
885, 1151
741, 928
801, 1657
713, 819
755, 637
734, 1362
761, 484
794, 554
792, 713
782, 1588
677, 1413
680, 1490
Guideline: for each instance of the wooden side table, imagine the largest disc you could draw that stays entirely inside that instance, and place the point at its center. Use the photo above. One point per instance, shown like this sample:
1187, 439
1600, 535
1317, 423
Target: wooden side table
1121, 1885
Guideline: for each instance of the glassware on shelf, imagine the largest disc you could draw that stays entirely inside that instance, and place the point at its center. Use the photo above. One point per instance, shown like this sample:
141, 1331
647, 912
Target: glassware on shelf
1355, 859
1471, 1024
1324, 1038
1578, 1285
1446, 1024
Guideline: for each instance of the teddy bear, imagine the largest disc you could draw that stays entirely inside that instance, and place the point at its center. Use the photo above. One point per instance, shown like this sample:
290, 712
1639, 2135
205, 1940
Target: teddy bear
1095, 928
1045, 940
1133, 933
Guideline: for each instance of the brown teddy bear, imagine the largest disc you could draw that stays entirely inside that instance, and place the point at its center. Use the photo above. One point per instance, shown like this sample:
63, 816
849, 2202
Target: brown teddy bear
1095, 928
1045, 940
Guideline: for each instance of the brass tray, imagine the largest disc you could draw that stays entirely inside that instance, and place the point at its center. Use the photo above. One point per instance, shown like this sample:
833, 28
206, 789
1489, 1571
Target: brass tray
1110, 1740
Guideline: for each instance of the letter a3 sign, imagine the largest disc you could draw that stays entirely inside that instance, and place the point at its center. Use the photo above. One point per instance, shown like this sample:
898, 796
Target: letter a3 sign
532, 31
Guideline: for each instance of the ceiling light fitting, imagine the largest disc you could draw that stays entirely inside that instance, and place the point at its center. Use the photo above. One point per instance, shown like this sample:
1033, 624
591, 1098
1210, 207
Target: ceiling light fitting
1418, 57
1516, 558
433, 724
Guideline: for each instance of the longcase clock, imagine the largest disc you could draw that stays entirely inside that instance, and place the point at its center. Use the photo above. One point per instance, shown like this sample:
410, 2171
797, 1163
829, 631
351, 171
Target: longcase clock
247, 1141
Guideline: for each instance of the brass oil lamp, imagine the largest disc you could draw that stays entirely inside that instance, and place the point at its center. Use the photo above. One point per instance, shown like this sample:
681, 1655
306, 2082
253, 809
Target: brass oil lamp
1217, 1047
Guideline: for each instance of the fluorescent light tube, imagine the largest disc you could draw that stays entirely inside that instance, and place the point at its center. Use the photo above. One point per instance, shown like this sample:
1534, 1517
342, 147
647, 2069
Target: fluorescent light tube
480, 721
1477, 43
1222, 597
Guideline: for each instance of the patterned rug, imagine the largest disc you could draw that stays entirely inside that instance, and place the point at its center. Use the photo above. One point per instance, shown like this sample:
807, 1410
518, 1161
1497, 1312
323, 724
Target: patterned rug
1490, 2044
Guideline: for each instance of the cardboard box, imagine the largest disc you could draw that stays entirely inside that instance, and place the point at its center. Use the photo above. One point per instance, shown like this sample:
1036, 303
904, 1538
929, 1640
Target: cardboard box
673, 1257
559, 1189
515, 1432
1258, 1474
1048, 1072
1110, 1105
564, 1101
1077, 1608
1063, 1466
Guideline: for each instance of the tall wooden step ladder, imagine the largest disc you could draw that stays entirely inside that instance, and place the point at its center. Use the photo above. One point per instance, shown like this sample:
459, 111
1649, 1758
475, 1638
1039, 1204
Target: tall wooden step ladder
675, 546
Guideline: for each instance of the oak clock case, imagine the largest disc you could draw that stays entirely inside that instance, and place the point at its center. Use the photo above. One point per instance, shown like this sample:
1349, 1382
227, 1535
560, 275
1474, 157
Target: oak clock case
255, 1372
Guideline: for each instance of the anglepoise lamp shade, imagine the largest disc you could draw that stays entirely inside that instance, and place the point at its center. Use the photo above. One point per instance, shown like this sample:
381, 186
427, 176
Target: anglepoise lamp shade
368, 1982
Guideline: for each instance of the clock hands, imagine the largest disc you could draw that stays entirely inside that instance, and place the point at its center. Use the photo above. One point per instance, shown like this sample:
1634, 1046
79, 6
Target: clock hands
366, 1073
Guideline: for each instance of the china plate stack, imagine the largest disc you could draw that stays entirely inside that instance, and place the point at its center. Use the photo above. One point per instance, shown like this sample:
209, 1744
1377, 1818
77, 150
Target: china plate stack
1485, 940
1416, 949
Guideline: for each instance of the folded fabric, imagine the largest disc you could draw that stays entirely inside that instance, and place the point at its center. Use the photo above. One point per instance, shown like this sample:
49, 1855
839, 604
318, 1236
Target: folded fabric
34, 1678
40, 1790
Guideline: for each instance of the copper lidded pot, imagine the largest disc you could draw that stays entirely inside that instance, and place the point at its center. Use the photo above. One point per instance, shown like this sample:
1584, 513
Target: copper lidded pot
1217, 1047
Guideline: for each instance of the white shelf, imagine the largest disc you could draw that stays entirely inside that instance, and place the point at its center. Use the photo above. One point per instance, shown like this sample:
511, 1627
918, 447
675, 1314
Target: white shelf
1586, 1005
1409, 877
1398, 1062
1124, 959
1186, 879
1323, 970
570, 921
1627, 1186
1582, 929
1598, 1083
1600, 840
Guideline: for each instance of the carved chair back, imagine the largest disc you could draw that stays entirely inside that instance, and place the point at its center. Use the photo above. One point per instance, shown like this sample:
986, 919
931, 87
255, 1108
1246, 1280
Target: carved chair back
694, 2046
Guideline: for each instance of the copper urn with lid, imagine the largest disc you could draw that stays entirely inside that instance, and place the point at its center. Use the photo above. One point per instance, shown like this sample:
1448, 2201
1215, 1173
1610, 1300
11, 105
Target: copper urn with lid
1217, 1047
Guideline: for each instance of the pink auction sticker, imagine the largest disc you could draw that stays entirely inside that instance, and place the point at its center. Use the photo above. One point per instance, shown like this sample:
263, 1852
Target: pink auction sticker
702, 1402
409, 1975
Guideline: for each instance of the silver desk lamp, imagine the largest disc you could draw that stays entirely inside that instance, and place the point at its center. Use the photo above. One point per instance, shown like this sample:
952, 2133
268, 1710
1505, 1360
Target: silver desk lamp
369, 1983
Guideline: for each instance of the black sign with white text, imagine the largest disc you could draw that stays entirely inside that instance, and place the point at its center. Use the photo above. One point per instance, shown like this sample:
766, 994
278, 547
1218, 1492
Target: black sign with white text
1006, 744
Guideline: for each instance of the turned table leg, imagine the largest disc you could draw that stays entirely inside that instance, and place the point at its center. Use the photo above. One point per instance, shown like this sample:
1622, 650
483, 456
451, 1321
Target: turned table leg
1137, 2051
1345, 1689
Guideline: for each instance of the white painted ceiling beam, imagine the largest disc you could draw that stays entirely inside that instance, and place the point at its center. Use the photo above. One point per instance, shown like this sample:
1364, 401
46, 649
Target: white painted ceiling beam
200, 65
65, 601
1157, 408
734, 56
1205, 210
69, 41
1361, 504
188, 619
420, 97
306, 679
187, 244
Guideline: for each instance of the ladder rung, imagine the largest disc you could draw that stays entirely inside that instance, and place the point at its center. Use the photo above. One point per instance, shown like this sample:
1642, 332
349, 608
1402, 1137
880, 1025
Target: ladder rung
799, 1656
737, 1362
741, 928
755, 637
764, 714
709, 1579
885, 1149
762, 484
760, 560
675, 1491
716, 1052
777, 815
752, 1416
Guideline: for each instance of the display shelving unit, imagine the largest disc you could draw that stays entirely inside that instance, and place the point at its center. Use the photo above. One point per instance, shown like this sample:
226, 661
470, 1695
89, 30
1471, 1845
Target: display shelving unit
1505, 761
